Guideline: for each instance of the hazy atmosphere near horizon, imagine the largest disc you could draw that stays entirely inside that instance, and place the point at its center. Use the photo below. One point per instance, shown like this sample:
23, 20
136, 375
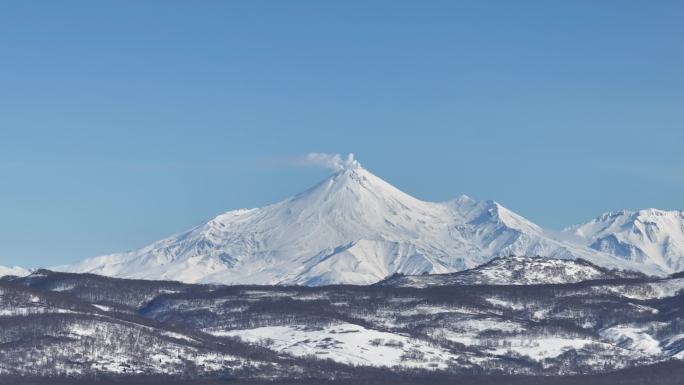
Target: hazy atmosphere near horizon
125, 122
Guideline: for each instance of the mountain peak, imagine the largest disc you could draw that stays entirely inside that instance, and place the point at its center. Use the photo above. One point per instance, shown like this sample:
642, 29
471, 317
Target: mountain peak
654, 213
354, 187
646, 236
353, 227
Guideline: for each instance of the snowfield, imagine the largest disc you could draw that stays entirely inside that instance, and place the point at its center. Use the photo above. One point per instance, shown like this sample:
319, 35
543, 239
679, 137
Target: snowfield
347, 343
634, 338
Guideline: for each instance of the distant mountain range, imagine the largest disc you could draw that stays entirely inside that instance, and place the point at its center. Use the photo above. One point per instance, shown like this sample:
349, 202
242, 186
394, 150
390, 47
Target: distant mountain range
355, 228
16, 270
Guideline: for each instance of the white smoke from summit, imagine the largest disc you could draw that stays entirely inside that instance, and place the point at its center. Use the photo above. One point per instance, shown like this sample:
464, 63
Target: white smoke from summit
334, 162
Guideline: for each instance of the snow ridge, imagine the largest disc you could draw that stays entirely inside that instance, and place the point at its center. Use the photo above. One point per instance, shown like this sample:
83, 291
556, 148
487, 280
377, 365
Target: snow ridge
16, 271
514, 270
648, 236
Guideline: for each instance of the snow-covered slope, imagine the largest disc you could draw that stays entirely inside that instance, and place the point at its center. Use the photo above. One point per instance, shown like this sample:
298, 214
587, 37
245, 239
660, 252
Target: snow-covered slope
513, 270
651, 236
347, 343
17, 271
352, 228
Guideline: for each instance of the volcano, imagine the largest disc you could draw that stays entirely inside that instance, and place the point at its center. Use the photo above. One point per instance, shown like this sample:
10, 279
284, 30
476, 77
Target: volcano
352, 228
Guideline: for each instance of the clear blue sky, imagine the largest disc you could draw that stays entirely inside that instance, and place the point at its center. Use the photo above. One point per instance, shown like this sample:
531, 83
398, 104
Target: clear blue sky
126, 121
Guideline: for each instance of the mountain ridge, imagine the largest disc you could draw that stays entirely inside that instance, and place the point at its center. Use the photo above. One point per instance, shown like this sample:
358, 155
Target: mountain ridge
656, 235
13, 270
515, 270
352, 228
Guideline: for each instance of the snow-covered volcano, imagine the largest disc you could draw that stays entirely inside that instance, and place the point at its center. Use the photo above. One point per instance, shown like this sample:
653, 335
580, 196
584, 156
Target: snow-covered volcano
653, 237
351, 228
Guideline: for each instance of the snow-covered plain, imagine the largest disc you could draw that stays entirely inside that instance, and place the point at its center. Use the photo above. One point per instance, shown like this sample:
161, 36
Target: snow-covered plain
347, 343
634, 338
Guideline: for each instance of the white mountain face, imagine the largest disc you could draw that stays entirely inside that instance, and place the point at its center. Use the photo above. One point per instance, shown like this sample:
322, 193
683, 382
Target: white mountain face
652, 237
16, 270
352, 228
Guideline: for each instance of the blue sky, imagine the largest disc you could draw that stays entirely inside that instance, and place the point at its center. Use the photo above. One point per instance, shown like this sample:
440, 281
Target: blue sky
123, 122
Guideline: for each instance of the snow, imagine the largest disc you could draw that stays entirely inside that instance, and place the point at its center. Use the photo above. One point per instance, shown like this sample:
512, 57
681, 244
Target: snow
178, 336
535, 347
647, 236
505, 304
23, 311
542, 347
513, 270
82, 330
102, 307
672, 345
16, 270
351, 228
633, 338
425, 309
30, 304
651, 290
346, 343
